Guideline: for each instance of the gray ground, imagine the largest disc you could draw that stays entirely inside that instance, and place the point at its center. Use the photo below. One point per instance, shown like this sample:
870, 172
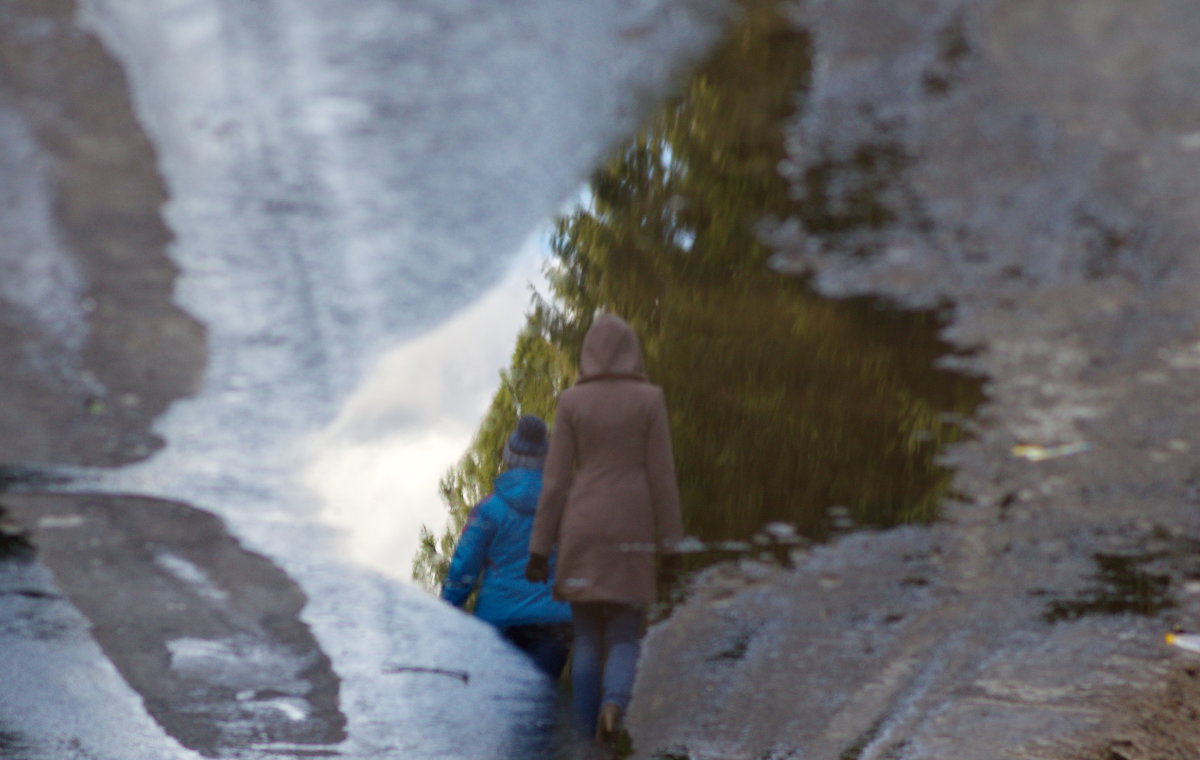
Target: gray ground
1035, 166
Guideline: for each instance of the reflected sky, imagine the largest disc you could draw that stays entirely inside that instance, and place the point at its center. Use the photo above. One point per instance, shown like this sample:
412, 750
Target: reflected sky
375, 469
785, 407
307, 240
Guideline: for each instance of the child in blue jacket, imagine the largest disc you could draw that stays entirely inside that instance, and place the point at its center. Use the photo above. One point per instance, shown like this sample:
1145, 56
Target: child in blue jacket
493, 549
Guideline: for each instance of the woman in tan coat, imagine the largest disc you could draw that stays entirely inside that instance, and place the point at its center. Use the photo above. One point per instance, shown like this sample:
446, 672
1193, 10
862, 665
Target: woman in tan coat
609, 501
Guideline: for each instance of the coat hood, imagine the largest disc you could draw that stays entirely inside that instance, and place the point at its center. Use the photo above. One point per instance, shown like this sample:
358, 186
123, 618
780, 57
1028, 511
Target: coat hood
610, 350
520, 488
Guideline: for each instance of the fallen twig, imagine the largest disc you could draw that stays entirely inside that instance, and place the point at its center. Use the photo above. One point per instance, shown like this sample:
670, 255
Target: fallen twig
462, 675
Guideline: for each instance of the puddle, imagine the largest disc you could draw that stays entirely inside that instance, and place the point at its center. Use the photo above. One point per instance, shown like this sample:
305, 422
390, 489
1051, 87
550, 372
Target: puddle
206, 631
1121, 585
787, 408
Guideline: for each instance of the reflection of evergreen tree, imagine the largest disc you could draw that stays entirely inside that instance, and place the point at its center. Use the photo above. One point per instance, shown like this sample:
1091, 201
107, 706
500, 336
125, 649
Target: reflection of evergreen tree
537, 374
782, 404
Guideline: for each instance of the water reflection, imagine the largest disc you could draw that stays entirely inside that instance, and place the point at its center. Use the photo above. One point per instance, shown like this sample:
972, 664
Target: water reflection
1121, 584
786, 407
376, 467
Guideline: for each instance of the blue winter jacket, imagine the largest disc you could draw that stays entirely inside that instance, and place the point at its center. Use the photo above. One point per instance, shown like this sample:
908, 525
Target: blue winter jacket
492, 552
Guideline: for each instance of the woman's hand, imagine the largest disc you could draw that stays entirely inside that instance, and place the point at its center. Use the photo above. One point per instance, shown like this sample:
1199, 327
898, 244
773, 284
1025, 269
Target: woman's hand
538, 569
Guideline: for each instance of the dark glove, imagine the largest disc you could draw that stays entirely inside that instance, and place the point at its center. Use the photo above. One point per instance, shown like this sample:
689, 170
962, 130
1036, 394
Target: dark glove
670, 569
538, 569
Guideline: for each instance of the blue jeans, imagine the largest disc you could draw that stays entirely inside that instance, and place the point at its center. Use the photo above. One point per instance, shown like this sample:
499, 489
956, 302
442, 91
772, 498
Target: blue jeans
607, 641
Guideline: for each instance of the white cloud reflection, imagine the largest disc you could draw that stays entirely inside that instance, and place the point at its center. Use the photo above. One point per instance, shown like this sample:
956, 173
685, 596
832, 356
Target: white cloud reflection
375, 470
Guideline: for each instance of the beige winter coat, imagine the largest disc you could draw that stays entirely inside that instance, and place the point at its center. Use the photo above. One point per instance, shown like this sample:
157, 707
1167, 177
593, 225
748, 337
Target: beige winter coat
609, 495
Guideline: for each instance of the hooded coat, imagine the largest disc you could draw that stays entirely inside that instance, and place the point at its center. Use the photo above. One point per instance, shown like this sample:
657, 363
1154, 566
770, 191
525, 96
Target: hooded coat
610, 498
491, 554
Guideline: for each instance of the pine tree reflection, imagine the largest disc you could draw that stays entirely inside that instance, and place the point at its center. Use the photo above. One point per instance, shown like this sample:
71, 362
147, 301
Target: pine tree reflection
785, 407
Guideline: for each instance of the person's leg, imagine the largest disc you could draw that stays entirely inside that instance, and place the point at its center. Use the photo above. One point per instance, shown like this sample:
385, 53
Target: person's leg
587, 665
622, 634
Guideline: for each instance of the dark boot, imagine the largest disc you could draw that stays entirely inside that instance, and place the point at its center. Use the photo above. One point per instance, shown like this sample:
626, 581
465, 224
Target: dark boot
608, 725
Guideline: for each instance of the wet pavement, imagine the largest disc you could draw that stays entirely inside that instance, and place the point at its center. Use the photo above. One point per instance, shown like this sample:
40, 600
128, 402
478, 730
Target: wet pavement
55, 675
206, 632
202, 162
160, 636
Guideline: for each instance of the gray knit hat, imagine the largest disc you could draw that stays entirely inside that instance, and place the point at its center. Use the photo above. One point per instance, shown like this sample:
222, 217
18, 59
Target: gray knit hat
528, 444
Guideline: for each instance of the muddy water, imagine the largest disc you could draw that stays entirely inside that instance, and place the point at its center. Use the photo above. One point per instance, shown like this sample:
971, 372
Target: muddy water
788, 409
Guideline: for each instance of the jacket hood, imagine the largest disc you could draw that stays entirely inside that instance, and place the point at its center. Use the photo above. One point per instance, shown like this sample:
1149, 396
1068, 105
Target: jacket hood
610, 349
520, 488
